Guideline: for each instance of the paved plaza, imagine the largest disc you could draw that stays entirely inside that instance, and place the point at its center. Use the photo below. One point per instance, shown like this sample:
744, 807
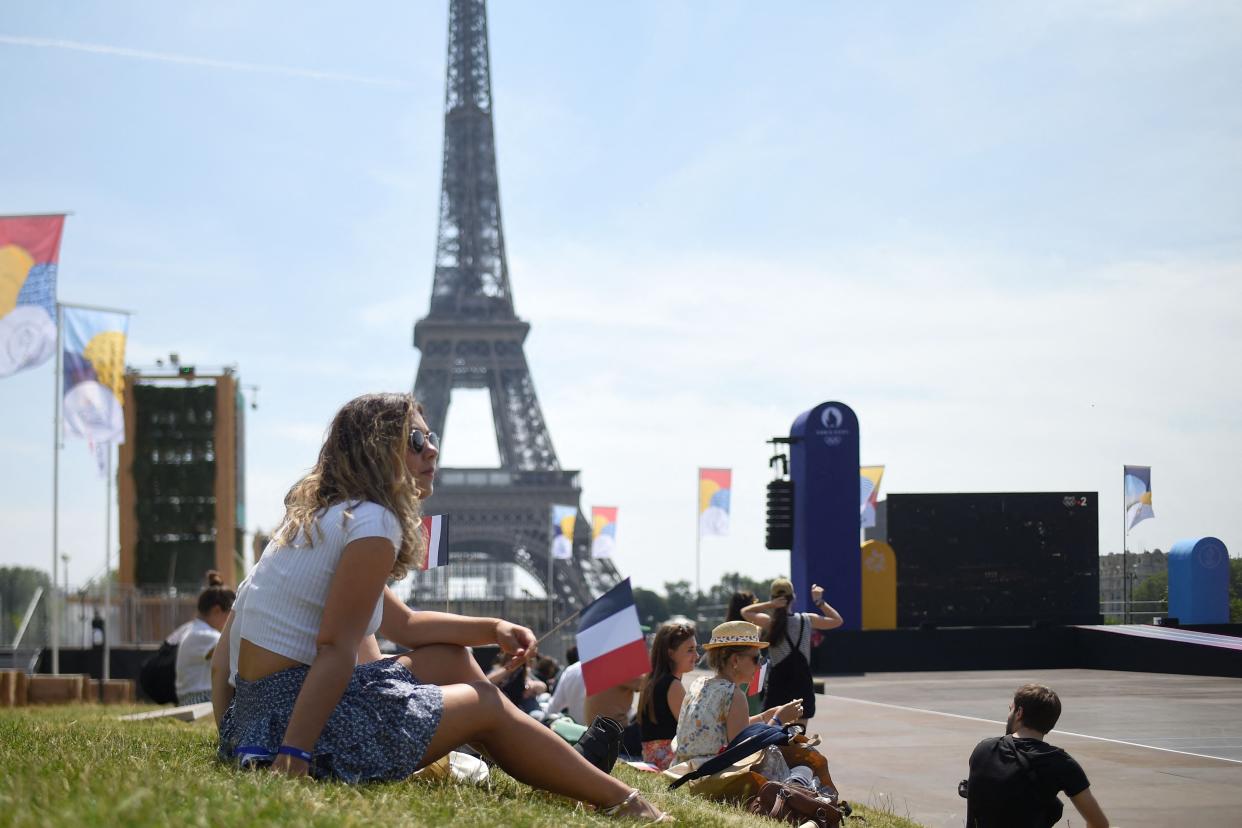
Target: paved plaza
1159, 749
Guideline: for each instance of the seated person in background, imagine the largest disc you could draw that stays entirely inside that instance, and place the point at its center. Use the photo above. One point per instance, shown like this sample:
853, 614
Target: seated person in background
545, 670
1015, 778
715, 710
516, 683
673, 654
615, 703
198, 641
569, 696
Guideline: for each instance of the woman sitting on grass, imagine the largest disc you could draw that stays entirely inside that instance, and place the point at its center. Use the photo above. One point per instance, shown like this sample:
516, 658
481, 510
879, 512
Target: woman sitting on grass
673, 654
302, 700
715, 710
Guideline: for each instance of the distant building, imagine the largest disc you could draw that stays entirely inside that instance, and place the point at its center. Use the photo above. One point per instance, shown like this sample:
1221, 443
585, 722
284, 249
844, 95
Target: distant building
1142, 565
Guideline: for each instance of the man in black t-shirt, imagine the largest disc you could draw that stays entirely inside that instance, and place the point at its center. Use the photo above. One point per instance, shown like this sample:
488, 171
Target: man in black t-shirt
1015, 778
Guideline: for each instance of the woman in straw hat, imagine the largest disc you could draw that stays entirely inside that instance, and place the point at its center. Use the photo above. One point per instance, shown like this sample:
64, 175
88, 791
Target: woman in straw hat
790, 637
715, 711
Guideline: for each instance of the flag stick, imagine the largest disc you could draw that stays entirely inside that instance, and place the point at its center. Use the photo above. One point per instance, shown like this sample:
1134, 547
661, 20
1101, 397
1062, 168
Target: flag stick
563, 622
530, 653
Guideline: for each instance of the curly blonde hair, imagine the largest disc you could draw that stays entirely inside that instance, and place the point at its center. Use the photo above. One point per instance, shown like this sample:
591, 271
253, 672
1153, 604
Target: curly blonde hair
362, 459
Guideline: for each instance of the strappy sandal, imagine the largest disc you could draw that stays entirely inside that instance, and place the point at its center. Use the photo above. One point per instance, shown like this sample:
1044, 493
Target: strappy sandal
635, 807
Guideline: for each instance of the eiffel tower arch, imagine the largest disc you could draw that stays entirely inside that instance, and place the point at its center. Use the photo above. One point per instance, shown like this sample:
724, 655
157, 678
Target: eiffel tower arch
472, 337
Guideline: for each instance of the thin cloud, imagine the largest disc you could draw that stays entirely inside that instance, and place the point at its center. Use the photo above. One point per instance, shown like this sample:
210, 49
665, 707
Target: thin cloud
191, 60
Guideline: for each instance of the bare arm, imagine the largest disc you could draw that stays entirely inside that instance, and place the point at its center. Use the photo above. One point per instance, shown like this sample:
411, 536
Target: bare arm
356, 586
676, 696
831, 619
407, 628
369, 650
739, 714
757, 614
1090, 809
221, 690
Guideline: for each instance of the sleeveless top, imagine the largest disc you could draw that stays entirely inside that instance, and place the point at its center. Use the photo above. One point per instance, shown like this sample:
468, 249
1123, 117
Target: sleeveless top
778, 651
665, 724
701, 728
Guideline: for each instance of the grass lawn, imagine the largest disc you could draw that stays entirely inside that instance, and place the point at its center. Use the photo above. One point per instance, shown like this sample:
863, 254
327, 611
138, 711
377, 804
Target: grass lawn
80, 766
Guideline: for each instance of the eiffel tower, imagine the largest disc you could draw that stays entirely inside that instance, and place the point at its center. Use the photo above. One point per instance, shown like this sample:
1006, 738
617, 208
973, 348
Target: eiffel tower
473, 338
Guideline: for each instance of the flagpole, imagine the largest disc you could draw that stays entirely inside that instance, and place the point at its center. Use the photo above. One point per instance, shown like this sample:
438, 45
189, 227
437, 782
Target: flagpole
107, 630
551, 577
1125, 554
698, 538
55, 603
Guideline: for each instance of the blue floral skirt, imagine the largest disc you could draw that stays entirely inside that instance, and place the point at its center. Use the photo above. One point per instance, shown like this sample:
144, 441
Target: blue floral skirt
379, 730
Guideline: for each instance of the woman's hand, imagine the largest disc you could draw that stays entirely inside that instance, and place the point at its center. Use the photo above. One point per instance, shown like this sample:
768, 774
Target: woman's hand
781, 602
287, 765
817, 593
790, 712
516, 642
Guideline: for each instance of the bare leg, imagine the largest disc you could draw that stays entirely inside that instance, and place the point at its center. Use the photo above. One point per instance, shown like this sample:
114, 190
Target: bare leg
528, 751
442, 664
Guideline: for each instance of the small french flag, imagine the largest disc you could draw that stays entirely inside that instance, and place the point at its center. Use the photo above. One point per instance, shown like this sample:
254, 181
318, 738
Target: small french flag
758, 679
610, 640
435, 532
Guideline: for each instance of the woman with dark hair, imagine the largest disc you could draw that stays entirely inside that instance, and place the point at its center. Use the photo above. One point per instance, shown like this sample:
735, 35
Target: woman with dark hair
789, 671
740, 600
673, 654
288, 689
198, 642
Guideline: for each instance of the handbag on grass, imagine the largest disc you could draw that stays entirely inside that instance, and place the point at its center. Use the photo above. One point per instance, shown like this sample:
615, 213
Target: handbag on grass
795, 805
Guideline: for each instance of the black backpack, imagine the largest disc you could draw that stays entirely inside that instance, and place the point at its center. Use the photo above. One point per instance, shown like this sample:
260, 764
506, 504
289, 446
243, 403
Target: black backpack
158, 675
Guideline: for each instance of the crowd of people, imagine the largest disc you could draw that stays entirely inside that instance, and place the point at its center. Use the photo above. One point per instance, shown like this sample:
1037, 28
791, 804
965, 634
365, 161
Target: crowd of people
299, 685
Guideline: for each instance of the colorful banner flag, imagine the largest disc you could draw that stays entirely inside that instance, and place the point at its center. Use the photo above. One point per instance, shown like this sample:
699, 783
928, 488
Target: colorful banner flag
1137, 482
29, 252
435, 535
563, 518
94, 372
869, 478
603, 531
715, 488
610, 640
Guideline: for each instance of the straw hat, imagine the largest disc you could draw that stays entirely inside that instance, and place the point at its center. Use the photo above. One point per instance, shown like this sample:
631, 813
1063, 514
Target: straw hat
735, 634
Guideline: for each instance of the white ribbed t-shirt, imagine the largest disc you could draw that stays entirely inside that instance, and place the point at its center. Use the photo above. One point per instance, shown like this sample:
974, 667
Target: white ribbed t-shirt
280, 604
194, 658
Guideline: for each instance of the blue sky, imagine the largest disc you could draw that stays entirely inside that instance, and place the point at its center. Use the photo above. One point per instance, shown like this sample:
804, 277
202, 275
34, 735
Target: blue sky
1006, 234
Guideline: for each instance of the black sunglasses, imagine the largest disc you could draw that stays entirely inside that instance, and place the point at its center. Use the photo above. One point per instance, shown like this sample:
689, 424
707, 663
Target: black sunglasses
419, 440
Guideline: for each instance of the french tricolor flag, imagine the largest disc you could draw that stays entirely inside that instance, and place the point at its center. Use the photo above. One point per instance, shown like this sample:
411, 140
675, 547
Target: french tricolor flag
610, 640
435, 532
758, 679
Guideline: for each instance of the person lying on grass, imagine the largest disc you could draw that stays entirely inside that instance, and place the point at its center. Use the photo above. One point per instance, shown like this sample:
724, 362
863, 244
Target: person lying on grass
289, 691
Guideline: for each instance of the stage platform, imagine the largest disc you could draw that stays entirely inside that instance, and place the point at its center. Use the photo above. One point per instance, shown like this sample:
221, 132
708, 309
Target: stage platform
1159, 749
1210, 651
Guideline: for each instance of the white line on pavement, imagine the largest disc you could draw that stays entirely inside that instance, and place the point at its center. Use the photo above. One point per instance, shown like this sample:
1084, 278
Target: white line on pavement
1059, 732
